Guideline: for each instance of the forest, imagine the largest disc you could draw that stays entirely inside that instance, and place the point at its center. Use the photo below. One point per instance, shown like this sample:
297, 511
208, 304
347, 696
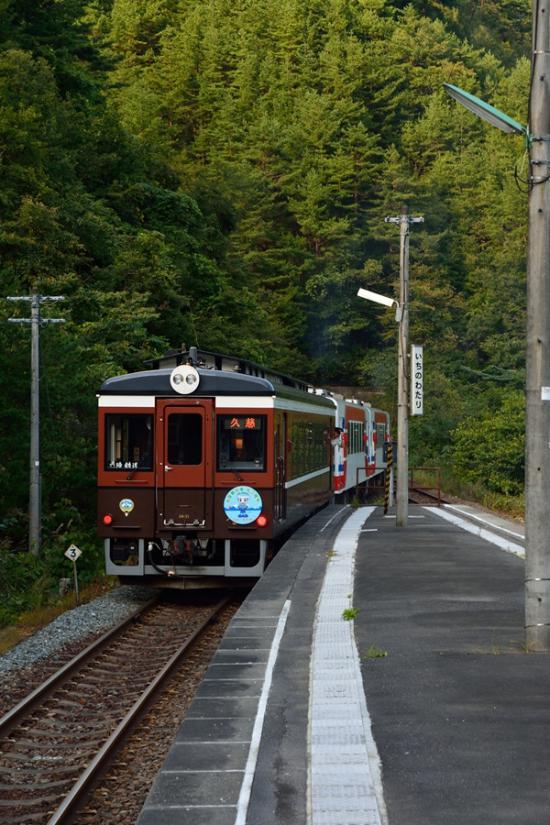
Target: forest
217, 172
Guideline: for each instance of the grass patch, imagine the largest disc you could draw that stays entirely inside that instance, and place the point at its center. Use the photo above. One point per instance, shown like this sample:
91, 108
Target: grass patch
29, 621
349, 614
374, 652
509, 506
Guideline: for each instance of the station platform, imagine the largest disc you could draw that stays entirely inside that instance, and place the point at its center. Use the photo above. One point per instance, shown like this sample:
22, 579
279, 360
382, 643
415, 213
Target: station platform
374, 676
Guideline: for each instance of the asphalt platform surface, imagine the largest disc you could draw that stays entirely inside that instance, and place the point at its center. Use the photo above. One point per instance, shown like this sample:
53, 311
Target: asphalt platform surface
460, 712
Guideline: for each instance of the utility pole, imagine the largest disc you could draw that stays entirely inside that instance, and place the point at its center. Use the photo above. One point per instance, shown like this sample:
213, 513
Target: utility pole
36, 321
402, 497
537, 464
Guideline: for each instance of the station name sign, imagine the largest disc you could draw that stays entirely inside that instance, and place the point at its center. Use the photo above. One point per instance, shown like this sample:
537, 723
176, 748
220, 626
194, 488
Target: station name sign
417, 380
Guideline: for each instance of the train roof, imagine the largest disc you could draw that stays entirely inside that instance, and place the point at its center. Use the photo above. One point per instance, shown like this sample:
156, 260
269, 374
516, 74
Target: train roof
212, 383
226, 363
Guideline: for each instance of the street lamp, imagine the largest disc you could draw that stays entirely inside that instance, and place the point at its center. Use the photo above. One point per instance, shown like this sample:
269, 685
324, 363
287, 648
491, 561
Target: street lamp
485, 111
402, 498
376, 298
402, 317
537, 423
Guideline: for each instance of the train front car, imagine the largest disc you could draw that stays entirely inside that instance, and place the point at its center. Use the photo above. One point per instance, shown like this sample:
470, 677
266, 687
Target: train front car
200, 470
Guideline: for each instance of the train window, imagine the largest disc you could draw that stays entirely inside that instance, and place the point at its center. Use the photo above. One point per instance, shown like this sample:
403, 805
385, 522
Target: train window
355, 437
241, 442
309, 447
129, 442
185, 438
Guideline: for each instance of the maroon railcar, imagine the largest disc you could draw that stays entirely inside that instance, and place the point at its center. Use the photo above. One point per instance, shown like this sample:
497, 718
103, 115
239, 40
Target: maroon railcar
204, 462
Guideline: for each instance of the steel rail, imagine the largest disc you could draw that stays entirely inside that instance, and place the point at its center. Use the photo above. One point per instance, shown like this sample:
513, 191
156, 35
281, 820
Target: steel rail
14, 716
83, 785
420, 491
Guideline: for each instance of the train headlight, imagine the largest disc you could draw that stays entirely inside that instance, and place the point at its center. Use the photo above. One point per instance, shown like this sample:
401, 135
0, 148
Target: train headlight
107, 519
261, 521
184, 379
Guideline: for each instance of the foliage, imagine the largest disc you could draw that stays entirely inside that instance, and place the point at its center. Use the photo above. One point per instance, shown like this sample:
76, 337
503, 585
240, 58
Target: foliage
375, 652
28, 582
489, 448
219, 173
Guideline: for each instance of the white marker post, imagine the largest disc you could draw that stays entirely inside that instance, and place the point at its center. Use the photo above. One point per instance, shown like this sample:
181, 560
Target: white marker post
73, 553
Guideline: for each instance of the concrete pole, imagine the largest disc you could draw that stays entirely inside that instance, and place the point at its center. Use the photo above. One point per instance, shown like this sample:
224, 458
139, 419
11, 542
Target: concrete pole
402, 317
36, 321
402, 498
34, 466
537, 461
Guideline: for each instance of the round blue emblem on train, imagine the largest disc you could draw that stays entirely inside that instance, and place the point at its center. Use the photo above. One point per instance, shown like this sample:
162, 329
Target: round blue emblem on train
242, 505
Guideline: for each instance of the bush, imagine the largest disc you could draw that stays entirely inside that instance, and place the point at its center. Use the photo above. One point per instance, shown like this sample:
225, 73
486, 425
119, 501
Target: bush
27, 582
488, 449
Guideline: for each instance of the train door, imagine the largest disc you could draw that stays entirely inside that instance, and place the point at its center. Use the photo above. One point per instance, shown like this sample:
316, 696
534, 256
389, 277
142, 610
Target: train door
380, 430
280, 466
370, 457
184, 464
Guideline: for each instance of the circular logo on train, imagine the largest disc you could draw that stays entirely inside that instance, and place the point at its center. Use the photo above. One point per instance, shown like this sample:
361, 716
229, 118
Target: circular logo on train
126, 505
242, 505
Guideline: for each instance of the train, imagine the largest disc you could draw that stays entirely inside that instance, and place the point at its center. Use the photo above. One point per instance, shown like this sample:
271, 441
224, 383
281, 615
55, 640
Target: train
205, 461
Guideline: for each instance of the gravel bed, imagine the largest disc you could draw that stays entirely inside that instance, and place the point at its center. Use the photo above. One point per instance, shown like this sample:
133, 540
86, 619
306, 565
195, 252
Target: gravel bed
75, 625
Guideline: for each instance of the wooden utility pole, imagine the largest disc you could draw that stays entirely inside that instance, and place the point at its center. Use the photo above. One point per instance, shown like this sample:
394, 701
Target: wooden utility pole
402, 497
35, 504
537, 464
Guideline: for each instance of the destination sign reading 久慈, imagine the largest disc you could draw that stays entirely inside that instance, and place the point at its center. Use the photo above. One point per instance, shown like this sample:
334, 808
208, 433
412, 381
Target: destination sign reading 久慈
242, 423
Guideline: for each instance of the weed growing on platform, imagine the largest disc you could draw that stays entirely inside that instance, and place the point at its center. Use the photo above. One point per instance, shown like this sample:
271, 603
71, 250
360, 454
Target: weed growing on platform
374, 652
349, 614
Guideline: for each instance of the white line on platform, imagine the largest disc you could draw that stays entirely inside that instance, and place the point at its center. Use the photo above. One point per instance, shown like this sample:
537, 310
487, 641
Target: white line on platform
339, 513
370, 530
256, 626
234, 679
501, 542
246, 787
232, 664
219, 718
344, 783
409, 516
214, 742
186, 807
232, 698
203, 770
484, 521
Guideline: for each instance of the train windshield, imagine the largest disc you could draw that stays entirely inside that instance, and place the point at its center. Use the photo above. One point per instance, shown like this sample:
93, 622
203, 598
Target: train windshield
241, 442
185, 438
129, 442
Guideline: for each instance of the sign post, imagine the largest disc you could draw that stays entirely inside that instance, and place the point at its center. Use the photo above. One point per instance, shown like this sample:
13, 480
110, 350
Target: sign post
388, 478
73, 553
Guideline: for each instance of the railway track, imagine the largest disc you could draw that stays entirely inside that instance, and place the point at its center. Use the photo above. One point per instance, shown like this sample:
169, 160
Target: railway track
418, 495
56, 742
